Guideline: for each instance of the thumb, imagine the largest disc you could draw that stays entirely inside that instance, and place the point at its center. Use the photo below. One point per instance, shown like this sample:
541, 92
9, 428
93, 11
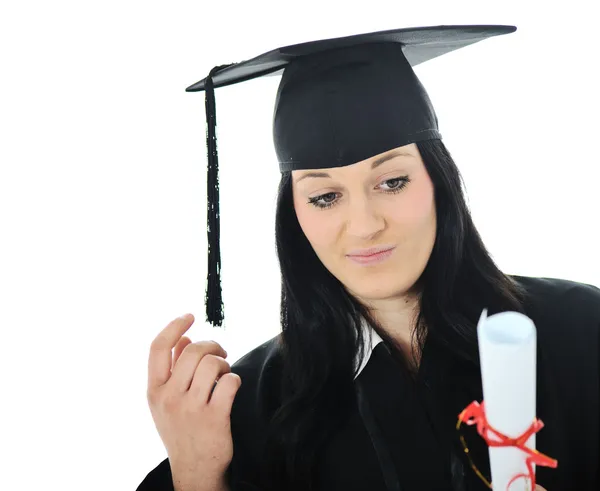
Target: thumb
539, 488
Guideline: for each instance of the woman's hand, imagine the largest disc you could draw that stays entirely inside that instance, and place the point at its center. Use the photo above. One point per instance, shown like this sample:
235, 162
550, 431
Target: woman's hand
192, 420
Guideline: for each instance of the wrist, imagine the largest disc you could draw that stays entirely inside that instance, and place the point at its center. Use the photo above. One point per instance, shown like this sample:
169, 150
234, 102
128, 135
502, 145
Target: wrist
187, 482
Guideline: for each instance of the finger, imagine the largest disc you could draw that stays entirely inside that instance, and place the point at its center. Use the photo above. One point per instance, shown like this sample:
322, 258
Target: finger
159, 360
210, 369
179, 347
187, 367
224, 394
539, 488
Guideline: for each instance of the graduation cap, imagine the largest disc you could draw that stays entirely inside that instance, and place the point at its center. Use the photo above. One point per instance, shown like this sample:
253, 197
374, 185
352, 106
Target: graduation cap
340, 101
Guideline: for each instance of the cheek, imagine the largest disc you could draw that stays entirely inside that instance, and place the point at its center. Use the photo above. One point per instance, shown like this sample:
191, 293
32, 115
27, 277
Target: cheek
317, 229
419, 216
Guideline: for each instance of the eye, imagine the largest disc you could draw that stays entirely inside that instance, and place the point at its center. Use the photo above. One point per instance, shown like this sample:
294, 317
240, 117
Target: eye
323, 201
396, 185
328, 200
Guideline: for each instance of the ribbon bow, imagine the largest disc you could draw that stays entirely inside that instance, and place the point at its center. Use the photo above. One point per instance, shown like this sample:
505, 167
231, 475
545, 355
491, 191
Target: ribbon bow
474, 414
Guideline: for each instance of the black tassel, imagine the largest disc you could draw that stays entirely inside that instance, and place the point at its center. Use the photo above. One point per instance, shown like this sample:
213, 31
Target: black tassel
213, 299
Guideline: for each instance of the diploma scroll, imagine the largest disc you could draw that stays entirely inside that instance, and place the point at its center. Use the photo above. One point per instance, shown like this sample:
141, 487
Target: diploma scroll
507, 348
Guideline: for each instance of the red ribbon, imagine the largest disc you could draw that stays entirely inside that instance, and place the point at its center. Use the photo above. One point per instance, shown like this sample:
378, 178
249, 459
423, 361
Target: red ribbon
474, 414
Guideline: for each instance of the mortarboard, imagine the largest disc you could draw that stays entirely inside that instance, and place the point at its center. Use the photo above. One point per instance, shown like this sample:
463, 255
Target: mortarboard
340, 101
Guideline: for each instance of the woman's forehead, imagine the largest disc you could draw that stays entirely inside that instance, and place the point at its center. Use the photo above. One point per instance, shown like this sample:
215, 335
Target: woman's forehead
407, 153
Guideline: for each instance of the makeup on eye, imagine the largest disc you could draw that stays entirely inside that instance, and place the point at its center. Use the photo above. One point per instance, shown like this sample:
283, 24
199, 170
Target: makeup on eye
326, 200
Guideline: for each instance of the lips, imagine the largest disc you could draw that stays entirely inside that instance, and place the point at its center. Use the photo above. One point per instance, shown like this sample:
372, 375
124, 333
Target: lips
369, 252
372, 259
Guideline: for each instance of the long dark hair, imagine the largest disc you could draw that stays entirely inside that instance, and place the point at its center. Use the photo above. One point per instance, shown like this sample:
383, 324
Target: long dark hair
320, 320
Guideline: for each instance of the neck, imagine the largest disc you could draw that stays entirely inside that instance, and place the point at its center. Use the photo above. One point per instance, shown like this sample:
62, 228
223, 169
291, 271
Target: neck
397, 316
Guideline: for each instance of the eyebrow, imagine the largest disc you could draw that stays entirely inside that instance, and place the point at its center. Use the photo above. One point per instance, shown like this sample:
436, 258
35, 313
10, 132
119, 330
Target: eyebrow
374, 165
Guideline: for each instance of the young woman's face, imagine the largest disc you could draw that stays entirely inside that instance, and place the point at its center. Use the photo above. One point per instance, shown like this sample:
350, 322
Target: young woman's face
384, 201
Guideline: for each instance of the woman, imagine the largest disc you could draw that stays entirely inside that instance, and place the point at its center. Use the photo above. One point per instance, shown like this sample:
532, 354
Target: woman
378, 352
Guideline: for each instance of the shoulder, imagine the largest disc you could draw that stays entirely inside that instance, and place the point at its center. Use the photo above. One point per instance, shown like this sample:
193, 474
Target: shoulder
260, 370
258, 367
563, 299
558, 286
566, 314
254, 404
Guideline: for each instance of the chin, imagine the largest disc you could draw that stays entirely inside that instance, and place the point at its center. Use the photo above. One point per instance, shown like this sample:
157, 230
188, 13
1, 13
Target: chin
378, 289
389, 282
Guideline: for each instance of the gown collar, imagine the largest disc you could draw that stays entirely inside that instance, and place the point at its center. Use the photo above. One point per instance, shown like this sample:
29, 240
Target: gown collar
372, 339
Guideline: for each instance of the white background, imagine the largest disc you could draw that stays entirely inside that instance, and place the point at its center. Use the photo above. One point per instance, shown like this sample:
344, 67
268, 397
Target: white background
103, 191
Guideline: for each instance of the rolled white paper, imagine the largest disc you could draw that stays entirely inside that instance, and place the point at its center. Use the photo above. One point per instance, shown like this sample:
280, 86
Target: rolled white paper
507, 348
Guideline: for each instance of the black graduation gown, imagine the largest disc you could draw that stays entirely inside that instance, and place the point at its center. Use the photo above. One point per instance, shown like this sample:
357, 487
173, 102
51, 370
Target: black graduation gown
401, 434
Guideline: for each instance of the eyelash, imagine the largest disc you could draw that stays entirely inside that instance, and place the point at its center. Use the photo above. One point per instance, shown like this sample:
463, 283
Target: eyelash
315, 201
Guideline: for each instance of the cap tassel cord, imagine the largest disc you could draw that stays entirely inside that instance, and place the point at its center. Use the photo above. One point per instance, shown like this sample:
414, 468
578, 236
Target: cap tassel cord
213, 299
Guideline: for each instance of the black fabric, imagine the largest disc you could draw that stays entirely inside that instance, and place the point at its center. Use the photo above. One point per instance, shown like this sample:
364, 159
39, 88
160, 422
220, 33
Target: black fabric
390, 474
414, 419
418, 453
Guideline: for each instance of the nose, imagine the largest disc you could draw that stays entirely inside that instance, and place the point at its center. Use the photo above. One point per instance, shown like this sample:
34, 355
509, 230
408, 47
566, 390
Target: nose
364, 220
